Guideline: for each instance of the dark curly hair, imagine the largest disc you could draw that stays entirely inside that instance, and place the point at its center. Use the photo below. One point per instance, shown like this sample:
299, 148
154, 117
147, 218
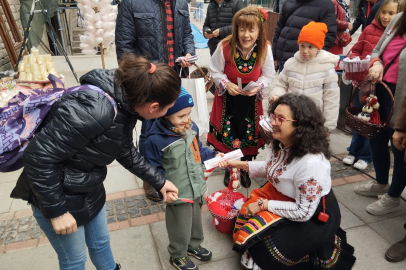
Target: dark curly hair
310, 135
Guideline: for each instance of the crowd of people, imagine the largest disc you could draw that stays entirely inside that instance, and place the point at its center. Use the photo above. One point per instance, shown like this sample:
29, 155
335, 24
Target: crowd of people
293, 221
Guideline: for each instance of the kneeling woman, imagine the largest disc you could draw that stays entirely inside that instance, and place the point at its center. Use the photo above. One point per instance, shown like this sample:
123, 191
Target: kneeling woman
293, 221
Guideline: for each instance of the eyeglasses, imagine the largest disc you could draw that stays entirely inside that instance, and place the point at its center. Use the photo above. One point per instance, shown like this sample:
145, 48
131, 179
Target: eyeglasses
279, 120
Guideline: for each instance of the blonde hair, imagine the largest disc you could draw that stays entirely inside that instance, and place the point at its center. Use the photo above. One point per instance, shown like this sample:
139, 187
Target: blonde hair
401, 6
249, 17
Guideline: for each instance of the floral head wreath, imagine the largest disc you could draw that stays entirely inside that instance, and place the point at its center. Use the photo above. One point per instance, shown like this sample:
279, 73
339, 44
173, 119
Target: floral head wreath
262, 14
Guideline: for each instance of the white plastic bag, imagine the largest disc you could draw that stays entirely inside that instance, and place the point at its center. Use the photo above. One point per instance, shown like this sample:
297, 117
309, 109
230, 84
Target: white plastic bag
200, 113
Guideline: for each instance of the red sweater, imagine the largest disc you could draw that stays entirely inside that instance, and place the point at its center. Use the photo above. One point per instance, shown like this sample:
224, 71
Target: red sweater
342, 25
372, 33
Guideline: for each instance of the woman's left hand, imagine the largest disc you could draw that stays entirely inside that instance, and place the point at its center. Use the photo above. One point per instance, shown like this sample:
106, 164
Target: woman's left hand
251, 92
184, 63
252, 209
399, 140
376, 71
220, 154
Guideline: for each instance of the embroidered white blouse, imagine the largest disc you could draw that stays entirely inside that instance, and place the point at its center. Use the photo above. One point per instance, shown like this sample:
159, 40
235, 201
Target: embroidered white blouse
217, 64
306, 180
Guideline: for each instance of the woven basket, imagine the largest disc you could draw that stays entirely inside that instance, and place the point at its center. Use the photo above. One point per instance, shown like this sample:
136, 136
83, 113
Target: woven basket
356, 76
223, 220
362, 127
203, 72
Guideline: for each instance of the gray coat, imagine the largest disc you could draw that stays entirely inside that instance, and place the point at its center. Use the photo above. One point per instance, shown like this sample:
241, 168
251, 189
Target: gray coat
401, 82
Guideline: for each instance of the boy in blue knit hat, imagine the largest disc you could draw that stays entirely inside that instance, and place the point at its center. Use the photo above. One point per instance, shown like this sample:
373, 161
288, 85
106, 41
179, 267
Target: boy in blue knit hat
173, 146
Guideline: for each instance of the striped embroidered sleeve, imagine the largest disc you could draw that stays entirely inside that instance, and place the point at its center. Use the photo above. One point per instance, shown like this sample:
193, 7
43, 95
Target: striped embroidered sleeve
311, 183
216, 65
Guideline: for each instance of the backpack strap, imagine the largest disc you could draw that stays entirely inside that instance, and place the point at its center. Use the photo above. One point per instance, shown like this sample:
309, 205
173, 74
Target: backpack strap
55, 80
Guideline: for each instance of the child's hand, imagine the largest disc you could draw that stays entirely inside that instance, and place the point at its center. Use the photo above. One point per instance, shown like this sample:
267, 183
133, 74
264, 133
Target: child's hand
169, 187
376, 71
219, 154
226, 163
274, 98
171, 197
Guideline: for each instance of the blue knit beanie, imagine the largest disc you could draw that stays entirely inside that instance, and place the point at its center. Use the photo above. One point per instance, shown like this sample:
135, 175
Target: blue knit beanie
184, 100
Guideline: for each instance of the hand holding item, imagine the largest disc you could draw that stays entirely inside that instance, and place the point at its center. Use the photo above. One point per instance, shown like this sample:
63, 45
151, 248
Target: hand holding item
169, 187
251, 92
350, 26
233, 89
399, 140
376, 71
216, 33
184, 62
220, 154
65, 224
227, 163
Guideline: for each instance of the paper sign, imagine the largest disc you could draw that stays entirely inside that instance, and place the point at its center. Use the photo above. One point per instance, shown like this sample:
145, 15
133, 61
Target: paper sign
239, 83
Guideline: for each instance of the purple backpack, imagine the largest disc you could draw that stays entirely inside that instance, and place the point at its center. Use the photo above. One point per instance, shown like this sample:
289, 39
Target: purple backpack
22, 115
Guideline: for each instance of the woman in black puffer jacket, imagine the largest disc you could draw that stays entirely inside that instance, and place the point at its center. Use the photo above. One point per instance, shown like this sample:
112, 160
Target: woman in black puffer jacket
291, 21
65, 163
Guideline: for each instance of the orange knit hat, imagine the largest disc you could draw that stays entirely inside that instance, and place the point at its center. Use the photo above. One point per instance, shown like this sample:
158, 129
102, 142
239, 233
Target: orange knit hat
313, 33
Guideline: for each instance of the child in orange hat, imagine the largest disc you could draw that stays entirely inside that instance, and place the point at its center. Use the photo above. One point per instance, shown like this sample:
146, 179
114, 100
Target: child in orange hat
311, 71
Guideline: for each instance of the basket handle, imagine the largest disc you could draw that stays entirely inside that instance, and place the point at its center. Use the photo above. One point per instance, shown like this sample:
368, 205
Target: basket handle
201, 71
387, 89
350, 51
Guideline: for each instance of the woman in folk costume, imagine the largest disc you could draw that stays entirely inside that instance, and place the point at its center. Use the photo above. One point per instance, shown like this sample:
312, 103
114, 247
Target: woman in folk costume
293, 221
247, 56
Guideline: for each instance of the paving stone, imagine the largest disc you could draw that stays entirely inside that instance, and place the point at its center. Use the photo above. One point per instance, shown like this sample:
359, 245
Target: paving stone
134, 215
111, 219
120, 212
155, 209
146, 211
109, 207
36, 233
121, 217
23, 228
130, 204
12, 226
34, 223
22, 237
129, 199
134, 210
163, 207
3, 223
110, 213
139, 197
109, 203
9, 237
142, 203
24, 220
2, 229
118, 201
120, 207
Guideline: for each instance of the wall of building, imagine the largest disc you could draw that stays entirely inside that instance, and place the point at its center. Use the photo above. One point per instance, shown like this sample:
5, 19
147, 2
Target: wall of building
15, 8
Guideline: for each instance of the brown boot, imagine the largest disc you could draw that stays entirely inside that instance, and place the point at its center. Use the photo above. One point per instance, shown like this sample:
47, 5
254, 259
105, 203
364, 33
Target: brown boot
396, 252
151, 193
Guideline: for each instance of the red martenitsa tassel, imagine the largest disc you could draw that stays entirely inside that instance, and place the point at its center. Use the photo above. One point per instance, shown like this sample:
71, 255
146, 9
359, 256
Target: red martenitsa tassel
375, 118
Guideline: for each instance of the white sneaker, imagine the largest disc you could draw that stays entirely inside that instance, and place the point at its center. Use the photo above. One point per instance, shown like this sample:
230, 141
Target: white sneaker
384, 206
372, 188
349, 160
361, 164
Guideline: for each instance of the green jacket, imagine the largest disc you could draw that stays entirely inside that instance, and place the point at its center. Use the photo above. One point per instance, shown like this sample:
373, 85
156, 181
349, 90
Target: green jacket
179, 158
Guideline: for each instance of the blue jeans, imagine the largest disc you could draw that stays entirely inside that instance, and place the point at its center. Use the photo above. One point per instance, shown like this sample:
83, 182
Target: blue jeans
199, 10
280, 66
359, 146
71, 248
380, 150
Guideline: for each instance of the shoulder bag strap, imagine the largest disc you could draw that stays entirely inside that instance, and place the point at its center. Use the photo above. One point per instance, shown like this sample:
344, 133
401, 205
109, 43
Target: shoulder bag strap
393, 60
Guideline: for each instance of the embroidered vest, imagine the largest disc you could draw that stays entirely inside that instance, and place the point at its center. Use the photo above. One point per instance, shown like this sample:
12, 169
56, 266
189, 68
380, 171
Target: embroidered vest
238, 67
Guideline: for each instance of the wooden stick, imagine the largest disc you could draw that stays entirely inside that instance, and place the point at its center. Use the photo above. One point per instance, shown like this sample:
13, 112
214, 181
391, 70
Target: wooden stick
101, 45
102, 55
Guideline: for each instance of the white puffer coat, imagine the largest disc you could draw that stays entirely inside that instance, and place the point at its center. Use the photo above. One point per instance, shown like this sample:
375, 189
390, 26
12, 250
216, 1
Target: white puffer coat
315, 78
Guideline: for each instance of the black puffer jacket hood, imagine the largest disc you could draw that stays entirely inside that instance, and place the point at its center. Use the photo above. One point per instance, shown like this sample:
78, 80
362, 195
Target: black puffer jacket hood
65, 163
284, 44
